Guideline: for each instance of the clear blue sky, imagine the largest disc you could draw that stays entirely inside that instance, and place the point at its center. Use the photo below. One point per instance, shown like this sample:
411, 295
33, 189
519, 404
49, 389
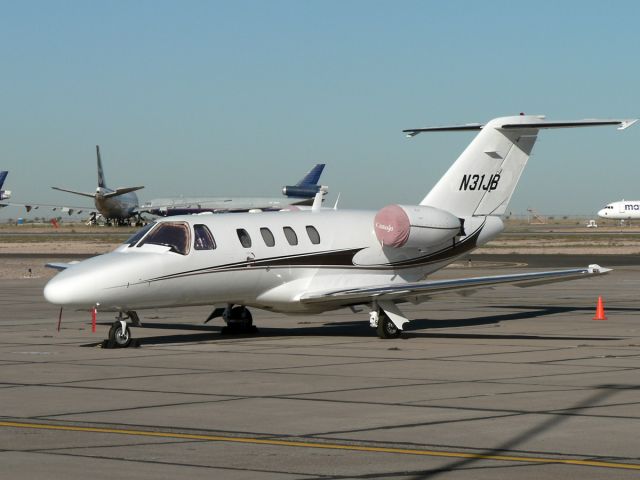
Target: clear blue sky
239, 98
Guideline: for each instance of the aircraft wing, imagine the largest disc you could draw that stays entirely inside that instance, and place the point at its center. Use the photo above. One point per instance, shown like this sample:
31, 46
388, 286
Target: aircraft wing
119, 191
84, 194
62, 208
60, 265
415, 292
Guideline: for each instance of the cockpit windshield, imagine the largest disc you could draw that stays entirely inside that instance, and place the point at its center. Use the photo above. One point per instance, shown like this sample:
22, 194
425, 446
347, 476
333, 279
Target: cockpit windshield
135, 238
174, 235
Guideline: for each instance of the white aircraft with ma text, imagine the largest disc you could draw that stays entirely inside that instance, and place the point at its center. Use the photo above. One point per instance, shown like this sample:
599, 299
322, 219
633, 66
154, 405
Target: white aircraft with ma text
317, 260
622, 210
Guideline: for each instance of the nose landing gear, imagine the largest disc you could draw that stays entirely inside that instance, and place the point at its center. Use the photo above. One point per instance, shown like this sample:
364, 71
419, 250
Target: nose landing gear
120, 333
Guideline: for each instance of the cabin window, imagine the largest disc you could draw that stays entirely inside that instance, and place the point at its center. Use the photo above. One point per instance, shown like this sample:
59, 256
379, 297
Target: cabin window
135, 238
244, 237
203, 240
314, 236
267, 236
290, 235
174, 235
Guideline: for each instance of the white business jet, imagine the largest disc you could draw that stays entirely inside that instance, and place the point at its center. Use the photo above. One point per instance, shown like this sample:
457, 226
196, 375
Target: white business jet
622, 210
320, 259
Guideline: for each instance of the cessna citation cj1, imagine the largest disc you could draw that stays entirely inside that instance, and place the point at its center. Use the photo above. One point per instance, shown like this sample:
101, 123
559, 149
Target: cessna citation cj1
318, 260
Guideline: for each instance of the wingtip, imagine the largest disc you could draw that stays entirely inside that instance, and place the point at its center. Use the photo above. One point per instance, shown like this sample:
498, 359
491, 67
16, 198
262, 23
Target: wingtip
627, 123
597, 269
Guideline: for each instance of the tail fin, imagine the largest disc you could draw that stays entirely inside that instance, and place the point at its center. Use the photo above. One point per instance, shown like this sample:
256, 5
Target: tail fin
102, 191
101, 182
313, 176
308, 186
4, 194
483, 178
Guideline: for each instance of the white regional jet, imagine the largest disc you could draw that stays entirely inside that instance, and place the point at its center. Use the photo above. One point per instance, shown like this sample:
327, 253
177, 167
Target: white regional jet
622, 210
323, 259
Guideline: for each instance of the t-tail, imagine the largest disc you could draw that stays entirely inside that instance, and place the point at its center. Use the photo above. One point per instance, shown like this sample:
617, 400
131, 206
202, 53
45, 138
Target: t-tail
308, 186
484, 177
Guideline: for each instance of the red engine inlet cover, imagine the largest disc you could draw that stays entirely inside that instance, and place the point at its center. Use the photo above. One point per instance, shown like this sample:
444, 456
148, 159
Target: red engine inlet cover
392, 226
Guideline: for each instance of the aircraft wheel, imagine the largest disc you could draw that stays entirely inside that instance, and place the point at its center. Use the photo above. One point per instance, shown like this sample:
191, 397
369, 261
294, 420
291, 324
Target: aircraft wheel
119, 337
386, 328
239, 321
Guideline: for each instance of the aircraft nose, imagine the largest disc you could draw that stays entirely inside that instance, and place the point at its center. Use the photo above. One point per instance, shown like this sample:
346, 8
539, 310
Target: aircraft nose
602, 213
59, 291
74, 286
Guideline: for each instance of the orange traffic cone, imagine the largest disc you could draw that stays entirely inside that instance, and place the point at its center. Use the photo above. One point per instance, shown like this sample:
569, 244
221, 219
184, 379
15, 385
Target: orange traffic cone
600, 310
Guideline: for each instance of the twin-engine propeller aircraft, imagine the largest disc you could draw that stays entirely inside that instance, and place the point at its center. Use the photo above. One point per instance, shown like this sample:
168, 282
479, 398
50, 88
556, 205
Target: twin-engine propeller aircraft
323, 259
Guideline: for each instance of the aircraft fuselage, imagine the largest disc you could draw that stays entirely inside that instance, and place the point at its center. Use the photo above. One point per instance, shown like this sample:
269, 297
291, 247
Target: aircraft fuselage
348, 254
120, 207
622, 210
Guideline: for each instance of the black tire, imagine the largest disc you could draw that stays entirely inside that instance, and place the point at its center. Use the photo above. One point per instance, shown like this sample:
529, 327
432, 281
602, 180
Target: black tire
119, 338
386, 328
241, 316
240, 321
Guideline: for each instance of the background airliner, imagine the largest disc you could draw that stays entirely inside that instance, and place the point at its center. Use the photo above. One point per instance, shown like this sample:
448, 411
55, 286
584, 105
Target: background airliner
302, 193
122, 206
323, 259
622, 210
116, 206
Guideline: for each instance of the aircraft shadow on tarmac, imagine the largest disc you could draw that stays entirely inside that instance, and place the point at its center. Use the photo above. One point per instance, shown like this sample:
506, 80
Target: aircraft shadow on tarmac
418, 328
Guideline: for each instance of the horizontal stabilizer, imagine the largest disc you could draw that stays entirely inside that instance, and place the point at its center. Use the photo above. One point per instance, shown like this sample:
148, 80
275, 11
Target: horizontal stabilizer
622, 124
412, 132
121, 191
402, 292
84, 194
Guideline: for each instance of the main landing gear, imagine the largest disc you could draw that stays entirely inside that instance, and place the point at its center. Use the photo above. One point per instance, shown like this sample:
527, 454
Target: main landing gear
387, 319
238, 319
120, 333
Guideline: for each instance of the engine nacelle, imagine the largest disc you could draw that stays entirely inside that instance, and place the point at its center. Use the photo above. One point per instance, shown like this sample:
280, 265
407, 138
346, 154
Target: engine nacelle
303, 191
5, 194
415, 226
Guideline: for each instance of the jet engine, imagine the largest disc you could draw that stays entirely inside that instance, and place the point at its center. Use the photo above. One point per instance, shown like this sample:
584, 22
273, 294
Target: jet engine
415, 226
304, 191
5, 194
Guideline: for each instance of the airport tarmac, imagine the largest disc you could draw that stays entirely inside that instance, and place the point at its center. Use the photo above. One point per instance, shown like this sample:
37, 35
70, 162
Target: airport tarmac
505, 383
